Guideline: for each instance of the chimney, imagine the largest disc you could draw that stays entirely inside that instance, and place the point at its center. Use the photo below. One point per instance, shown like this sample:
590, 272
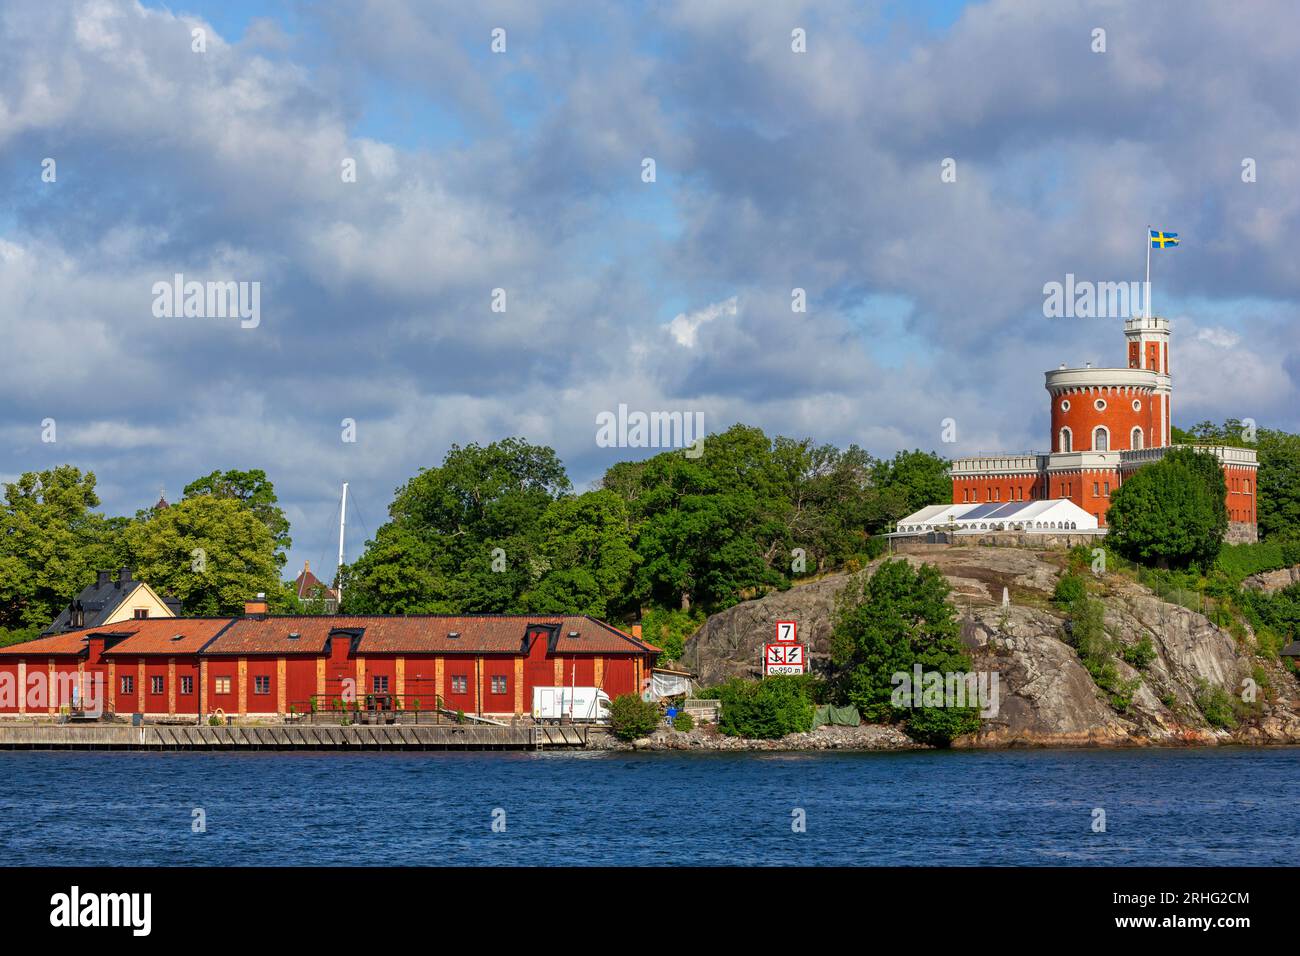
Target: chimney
102, 579
256, 607
636, 631
306, 566
124, 575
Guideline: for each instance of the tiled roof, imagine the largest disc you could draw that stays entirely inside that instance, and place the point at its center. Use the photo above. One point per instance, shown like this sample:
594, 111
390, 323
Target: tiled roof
427, 634
311, 587
413, 634
270, 635
57, 645
165, 635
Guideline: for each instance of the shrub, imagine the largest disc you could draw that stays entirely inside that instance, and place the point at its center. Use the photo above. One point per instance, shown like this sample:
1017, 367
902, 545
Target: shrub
1087, 634
683, 721
1069, 588
1239, 561
766, 709
940, 725
669, 629
1216, 704
1140, 655
631, 717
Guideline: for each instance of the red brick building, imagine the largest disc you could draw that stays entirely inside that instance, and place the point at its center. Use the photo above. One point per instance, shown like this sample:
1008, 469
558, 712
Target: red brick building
263, 665
1106, 423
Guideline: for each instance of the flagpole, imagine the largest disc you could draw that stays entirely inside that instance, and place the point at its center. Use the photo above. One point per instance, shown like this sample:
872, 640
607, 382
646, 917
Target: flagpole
1147, 290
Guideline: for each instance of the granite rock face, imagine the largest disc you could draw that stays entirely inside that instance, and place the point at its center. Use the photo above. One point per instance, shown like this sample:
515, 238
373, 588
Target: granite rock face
1045, 695
1270, 581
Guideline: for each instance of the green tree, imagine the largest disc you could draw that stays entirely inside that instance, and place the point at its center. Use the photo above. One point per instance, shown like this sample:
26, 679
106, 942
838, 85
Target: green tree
909, 482
896, 618
1170, 512
212, 553
584, 556
256, 492
51, 545
464, 537
1278, 484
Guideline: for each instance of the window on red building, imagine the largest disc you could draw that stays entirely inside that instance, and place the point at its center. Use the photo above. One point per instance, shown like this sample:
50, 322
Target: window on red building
498, 685
459, 684
187, 685
221, 685
261, 684
380, 683
128, 685
155, 685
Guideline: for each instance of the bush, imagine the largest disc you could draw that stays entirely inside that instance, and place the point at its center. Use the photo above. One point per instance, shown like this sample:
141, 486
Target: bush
1140, 655
940, 725
1087, 634
1216, 704
1069, 588
766, 709
683, 721
669, 629
1239, 561
631, 717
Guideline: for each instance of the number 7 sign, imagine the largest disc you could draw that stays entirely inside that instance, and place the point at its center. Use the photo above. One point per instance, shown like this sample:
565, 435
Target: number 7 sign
787, 631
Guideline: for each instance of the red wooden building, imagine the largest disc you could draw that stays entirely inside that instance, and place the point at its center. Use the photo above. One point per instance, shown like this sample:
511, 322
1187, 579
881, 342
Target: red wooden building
264, 665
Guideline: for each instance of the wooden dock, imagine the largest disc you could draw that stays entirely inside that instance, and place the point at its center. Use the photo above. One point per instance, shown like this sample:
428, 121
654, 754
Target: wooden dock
305, 736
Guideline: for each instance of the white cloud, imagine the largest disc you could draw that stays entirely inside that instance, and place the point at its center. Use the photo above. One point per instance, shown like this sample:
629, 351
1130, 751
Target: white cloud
685, 326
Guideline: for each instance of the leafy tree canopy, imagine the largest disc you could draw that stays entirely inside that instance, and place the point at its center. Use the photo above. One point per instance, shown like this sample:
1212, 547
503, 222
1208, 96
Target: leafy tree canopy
898, 617
256, 492
1170, 512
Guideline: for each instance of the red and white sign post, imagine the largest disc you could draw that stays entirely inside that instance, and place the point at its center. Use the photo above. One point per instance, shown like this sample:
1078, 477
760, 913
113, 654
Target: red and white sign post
784, 658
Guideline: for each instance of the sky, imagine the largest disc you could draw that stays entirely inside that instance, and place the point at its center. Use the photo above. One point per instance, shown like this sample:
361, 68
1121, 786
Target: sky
919, 170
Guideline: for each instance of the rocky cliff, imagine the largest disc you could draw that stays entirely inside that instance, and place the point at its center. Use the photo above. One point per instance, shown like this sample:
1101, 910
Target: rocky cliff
1047, 698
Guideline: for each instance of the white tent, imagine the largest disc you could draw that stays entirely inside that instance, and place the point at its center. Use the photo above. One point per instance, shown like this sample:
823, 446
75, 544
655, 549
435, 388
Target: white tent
1055, 515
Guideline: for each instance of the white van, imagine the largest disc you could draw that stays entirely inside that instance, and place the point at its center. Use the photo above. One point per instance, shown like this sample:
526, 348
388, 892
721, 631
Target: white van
576, 703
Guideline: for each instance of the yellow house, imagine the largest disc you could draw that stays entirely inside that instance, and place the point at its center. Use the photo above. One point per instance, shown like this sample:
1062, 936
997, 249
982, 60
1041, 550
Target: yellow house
111, 600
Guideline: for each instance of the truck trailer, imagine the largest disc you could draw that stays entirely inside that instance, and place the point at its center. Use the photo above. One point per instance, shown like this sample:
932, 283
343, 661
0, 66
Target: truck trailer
590, 704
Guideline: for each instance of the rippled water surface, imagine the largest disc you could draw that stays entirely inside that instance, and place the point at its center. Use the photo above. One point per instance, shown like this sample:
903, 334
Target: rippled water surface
1175, 807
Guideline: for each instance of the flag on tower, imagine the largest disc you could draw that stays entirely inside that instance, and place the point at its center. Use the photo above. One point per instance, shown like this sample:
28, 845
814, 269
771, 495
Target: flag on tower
1161, 239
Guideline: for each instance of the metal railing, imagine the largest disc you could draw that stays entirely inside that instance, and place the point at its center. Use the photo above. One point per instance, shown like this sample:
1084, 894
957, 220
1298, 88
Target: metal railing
372, 708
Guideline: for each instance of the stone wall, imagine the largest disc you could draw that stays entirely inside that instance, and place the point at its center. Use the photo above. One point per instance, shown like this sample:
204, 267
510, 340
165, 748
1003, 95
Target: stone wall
1001, 539
1241, 532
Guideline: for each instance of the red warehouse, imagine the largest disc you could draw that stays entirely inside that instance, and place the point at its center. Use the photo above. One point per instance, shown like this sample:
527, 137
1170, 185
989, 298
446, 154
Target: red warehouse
263, 665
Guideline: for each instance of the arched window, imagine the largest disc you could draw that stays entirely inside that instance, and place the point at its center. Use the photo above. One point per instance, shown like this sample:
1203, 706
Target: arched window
1135, 439
1100, 439
1066, 441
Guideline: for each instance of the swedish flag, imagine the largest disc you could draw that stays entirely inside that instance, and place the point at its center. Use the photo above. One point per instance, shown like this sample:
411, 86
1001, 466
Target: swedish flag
1160, 240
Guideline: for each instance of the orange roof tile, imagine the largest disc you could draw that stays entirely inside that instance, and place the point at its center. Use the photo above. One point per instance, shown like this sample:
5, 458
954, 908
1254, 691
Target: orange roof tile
70, 643
166, 635
426, 633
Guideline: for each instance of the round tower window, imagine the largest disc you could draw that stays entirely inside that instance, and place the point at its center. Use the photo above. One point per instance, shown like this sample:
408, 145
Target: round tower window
1137, 405
1099, 404
1065, 404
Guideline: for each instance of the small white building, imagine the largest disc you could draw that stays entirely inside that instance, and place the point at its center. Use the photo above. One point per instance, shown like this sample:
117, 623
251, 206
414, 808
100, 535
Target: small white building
1035, 517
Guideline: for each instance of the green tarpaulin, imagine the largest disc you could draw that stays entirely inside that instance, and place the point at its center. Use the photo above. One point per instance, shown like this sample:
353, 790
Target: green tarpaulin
836, 716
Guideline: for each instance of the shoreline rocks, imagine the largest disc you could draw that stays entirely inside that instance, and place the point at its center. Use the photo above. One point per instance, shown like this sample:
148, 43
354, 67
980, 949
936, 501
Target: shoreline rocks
867, 737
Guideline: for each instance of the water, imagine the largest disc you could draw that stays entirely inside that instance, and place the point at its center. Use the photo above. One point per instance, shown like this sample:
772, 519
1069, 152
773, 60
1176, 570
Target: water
1177, 807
